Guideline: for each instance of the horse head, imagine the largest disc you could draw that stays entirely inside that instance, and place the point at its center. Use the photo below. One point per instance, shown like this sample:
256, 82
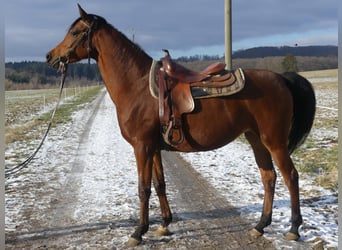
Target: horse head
76, 44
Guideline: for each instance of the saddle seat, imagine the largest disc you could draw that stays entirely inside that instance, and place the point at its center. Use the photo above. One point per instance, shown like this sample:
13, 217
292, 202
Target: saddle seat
186, 75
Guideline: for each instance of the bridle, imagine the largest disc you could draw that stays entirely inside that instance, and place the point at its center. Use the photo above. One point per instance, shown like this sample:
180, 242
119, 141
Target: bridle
86, 36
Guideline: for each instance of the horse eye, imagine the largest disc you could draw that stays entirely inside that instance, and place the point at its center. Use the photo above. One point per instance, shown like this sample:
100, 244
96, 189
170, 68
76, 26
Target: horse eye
74, 32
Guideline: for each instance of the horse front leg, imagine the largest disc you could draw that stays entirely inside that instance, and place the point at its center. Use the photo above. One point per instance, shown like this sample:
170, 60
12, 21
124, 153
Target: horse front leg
144, 159
160, 187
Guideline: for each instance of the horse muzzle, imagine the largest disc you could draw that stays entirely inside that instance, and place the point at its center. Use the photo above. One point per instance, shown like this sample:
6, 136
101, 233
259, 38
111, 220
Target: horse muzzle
55, 61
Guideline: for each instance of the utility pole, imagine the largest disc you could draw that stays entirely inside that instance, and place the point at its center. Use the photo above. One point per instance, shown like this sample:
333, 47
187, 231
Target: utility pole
228, 33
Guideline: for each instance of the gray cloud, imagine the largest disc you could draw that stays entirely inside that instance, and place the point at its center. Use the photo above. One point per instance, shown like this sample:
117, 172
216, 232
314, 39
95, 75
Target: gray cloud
283, 17
33, 27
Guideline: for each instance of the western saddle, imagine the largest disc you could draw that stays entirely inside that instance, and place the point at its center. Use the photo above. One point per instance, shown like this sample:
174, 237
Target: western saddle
178, 86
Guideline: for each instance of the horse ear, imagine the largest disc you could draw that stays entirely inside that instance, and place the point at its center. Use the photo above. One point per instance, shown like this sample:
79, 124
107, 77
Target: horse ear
83, 14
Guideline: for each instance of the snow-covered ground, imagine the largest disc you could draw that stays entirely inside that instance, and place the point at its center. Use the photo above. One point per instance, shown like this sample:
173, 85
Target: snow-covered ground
230, 169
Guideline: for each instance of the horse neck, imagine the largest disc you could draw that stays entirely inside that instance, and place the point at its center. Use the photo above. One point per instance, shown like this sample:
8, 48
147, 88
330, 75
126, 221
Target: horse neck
122, 64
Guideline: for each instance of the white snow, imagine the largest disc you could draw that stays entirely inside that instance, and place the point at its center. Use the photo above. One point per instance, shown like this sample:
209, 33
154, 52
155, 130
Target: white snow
233, 171
108, 187
110, 167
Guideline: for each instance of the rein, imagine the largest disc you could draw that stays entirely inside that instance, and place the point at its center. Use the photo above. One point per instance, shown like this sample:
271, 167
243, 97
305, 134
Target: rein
63, 69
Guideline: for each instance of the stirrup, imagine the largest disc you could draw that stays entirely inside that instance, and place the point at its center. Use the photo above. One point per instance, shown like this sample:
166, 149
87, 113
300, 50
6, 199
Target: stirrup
168, 135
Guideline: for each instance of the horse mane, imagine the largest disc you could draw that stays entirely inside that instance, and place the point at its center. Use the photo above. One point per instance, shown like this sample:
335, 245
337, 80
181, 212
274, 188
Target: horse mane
102, 22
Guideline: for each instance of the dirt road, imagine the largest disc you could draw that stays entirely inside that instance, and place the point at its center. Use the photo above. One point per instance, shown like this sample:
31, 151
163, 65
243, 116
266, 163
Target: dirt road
73, 198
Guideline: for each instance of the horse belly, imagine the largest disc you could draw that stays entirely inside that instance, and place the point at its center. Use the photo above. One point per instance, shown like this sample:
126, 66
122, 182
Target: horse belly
213, 124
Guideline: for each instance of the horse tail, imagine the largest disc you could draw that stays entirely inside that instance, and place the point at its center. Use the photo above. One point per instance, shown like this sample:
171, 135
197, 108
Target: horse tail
304, 108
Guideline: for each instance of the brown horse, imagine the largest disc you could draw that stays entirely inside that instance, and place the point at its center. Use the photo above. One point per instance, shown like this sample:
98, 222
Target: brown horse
275, 112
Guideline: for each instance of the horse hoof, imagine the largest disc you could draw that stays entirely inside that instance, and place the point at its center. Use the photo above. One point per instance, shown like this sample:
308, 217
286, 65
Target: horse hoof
292, 236
255, 233
162, 231
132, 242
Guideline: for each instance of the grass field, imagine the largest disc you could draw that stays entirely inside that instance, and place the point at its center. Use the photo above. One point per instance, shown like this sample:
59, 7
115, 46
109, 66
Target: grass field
331, 73
23, 105
319, 154
27, 112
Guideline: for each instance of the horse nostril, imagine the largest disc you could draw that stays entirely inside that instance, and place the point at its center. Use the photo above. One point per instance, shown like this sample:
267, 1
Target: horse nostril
48, 56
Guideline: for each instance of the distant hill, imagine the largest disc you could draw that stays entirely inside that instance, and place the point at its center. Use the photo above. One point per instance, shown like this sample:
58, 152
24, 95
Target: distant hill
311, 51
19, 75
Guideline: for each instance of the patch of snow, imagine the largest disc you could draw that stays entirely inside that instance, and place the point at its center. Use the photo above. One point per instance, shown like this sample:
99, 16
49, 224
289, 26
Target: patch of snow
322, 79
233, 172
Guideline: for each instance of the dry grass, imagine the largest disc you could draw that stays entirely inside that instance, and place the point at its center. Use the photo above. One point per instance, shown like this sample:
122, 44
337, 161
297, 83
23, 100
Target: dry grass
22, 126
320, 73
22, 105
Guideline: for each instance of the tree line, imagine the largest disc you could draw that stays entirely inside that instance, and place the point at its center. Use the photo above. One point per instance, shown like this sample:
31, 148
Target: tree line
278, 59
40, 73
278, 64
309, 51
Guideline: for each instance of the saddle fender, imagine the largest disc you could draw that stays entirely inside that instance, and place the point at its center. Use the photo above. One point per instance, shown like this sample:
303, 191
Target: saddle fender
182, 98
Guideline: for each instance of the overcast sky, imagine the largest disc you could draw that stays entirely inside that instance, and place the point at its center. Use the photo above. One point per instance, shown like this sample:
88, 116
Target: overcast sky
185, 27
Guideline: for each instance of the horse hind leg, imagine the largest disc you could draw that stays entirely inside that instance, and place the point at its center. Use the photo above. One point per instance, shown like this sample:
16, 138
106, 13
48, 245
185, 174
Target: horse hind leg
160, 187
268, 176
283, 161
280, 154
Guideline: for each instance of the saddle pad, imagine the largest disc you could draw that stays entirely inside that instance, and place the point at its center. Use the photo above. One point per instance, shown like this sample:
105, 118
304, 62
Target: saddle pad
209, 92
153, 79
199, 92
